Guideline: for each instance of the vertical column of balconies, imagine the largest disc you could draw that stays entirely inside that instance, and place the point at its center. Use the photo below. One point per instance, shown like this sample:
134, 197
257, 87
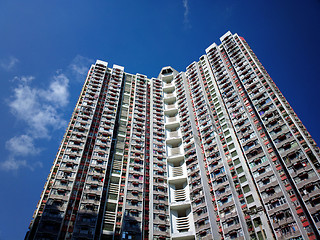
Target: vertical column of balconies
181, 218
224, 89
110, 209
275, 114
250, 140
94, 111
92, 198
64, 176
133, 207
146, 177
159, 211
200, 207
237, 164
202, 200
260, 152
240, 114
217, 156
120, 161
212, 148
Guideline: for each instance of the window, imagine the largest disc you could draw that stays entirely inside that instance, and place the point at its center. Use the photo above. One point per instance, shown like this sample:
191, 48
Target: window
234, 153
246, 189
249, 199
243, 179
236, 161
231, 146
239, 170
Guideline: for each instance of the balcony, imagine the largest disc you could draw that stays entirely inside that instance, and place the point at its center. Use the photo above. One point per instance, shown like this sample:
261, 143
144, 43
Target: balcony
180, 195
168, 85
172, 119
169, 94
170, 106
179, 192
177, 171
167, 77
182, 224
173, 136
174, 151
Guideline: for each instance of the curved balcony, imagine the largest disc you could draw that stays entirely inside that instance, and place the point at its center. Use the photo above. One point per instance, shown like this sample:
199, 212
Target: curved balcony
180, 195
168, 87
182, 223
175, 160
170, 98
168, 77
179, 191
173, 135
172, 119
167, 84
177, 171
170, 106
169, 94
174, 150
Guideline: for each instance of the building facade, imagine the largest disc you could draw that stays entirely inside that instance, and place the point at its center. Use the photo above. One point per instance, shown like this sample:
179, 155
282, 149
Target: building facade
215, 152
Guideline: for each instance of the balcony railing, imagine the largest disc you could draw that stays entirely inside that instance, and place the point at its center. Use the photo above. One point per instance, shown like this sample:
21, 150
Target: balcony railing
114, 188
175, 151
173, 134
183, 224
167, 84
171, 119
170, 106
177, 171
180, 195
168, 95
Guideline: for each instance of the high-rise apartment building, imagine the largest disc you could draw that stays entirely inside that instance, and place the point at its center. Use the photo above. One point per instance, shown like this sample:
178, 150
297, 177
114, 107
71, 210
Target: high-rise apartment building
215, 152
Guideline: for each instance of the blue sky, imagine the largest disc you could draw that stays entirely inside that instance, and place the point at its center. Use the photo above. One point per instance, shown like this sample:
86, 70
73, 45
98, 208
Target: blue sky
46, 48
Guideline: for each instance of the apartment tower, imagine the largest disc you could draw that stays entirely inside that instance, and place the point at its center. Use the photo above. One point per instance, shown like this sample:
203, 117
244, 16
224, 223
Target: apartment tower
215, 152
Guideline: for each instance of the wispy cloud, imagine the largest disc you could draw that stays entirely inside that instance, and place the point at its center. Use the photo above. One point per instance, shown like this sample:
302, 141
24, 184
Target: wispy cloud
22, 145
9, 63
186, 13
12, 164
57, 93
80, 66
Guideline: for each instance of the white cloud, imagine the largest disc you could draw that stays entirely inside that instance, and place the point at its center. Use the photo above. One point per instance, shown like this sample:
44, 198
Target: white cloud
23, 79
186, 13
12, 164
38, 107
57, 93
9, 63
21, 146
80, 66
